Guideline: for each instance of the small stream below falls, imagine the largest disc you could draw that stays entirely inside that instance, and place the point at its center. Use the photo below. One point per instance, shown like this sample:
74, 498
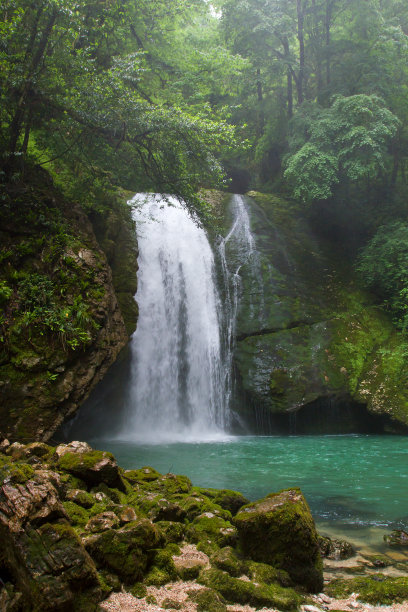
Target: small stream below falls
167, 402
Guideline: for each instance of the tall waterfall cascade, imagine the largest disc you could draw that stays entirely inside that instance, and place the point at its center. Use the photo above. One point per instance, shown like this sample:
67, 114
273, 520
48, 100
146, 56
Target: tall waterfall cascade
177, 383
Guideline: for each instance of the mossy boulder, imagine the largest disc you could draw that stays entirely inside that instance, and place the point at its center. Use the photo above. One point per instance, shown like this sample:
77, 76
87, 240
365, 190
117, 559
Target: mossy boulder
208, 600
245, 592
78, 516
230, 500
398, 538
333, 548
51, 568
142, 475
102, 522
211, 531
279, 530
261, 572
173, 532
171, 484
125, 551
80, 497
92, 467
162, 568
226, 559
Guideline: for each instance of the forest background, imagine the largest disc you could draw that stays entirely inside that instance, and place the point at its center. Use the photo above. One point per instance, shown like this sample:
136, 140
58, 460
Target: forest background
306, 98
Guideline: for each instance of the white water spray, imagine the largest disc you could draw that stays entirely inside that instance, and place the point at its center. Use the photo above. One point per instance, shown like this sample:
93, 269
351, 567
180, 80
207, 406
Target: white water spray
177, 383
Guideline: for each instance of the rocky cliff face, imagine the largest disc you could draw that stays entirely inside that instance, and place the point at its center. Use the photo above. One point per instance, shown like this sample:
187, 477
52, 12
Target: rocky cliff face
313, 353
61, 326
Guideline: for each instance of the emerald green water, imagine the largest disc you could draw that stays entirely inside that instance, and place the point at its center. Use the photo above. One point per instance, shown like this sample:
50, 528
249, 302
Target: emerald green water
356, 485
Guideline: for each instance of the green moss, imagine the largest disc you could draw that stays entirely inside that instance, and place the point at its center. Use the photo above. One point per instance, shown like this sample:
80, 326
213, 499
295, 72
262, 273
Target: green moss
173, 549
143, 475
262, 572
113, 494
80, 497
79, 462
139, 590
111, 581
243, 592
73, 482
125, 551
172, 484
207, 600
77, 515
376, 589
279, 530
212, 530
174, 532
226, 559
157, 577
15, 471
195, 505
162, 568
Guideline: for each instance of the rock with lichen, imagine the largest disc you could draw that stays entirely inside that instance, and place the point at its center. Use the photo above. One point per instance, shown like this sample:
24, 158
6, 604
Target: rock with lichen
279, 530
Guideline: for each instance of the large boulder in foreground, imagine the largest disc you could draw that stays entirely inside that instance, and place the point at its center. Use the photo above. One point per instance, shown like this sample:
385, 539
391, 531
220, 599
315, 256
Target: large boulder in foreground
41, 555
92, 466
279, 530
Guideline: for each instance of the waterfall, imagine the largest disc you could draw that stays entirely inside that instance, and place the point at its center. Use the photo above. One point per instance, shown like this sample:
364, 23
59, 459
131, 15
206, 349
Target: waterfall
235, 250
177, 381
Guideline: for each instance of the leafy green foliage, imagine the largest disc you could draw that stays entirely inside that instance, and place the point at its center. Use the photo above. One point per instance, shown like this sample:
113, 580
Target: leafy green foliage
84, 83
42, 309
383, 265
347, 142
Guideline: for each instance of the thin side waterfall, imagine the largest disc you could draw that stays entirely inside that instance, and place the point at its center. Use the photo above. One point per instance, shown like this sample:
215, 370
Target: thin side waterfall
177, 383
235, 250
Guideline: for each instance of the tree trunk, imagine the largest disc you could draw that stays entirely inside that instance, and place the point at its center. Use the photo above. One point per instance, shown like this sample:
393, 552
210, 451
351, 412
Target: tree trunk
301, 39
289, 88
261, 118
327, 24
17, 122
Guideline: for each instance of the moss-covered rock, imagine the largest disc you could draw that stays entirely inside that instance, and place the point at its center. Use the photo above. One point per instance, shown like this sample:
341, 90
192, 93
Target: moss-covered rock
333, 548
162, 568
174, 532
80, 497
261, 572
226, 559
376, 589
306, 332
142, 475
279, 530
398, 538
92, 467
102, 522
63, 327
245, 592
125, 551
78, 516
229, 500
211, 531
208, 600
51, 568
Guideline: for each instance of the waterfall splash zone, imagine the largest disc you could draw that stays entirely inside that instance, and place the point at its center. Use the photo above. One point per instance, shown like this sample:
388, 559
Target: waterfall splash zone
177, 386
167, 403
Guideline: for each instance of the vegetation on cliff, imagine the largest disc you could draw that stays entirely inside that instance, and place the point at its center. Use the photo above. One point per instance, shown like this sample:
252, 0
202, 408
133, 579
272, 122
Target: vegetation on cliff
60, 324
